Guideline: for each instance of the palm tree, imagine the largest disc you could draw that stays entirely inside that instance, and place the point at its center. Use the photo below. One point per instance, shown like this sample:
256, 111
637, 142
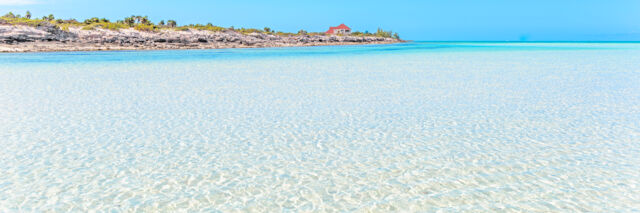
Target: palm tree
144, 20
136, 19
129, 21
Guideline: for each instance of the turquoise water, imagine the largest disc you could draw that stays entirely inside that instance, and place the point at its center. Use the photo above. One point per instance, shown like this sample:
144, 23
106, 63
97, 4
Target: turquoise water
420, 126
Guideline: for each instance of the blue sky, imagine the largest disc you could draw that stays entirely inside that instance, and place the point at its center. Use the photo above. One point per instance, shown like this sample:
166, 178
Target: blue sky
453, 20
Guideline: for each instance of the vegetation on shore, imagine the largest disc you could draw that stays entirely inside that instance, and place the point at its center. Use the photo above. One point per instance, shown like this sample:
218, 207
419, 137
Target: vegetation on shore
142, 23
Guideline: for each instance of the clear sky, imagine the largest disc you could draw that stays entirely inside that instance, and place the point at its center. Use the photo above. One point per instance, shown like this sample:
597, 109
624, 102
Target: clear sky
453, 20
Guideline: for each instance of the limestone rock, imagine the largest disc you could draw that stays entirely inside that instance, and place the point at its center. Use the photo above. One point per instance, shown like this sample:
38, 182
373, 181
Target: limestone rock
49, 37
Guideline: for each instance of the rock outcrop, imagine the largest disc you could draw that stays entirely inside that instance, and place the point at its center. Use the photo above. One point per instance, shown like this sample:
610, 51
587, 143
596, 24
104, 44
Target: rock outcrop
50, 38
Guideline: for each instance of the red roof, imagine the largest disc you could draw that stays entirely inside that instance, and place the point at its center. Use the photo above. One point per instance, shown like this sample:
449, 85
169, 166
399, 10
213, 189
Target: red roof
339, 27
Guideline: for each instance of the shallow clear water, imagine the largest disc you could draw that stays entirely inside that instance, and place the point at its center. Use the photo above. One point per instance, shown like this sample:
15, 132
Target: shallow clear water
407, 127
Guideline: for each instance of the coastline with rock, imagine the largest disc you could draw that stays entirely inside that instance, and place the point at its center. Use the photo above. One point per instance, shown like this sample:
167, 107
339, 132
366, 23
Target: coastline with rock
49, 37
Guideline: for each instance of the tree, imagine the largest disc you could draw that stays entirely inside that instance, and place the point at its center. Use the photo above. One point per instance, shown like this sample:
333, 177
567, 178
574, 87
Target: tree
51, 17
27, 15
266, 29
129, 21
161, 23
145, 20
302, 32
396, 36
172, 23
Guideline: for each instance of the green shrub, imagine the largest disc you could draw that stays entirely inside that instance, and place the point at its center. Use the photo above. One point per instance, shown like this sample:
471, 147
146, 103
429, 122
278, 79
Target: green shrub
183, 28
92, 20
248, 31
23, 21
144, 27
280, 33
386, 34
9, 15
113, 26
210, 28
72, 22
89, 27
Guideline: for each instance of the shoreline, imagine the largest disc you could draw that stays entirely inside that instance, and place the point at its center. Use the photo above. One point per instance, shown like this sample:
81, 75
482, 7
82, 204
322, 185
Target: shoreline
4, 48
25, 39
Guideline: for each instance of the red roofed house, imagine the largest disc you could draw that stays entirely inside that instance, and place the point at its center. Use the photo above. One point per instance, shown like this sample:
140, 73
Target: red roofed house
341, 29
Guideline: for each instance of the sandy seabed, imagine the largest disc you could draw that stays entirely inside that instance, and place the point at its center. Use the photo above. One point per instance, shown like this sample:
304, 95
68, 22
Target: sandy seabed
536, 127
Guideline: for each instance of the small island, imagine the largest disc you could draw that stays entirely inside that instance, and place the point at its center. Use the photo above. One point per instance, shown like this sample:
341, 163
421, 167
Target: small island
23, 33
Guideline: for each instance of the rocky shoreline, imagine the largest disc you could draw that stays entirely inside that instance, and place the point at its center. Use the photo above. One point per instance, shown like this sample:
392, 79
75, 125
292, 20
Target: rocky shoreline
20, 38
